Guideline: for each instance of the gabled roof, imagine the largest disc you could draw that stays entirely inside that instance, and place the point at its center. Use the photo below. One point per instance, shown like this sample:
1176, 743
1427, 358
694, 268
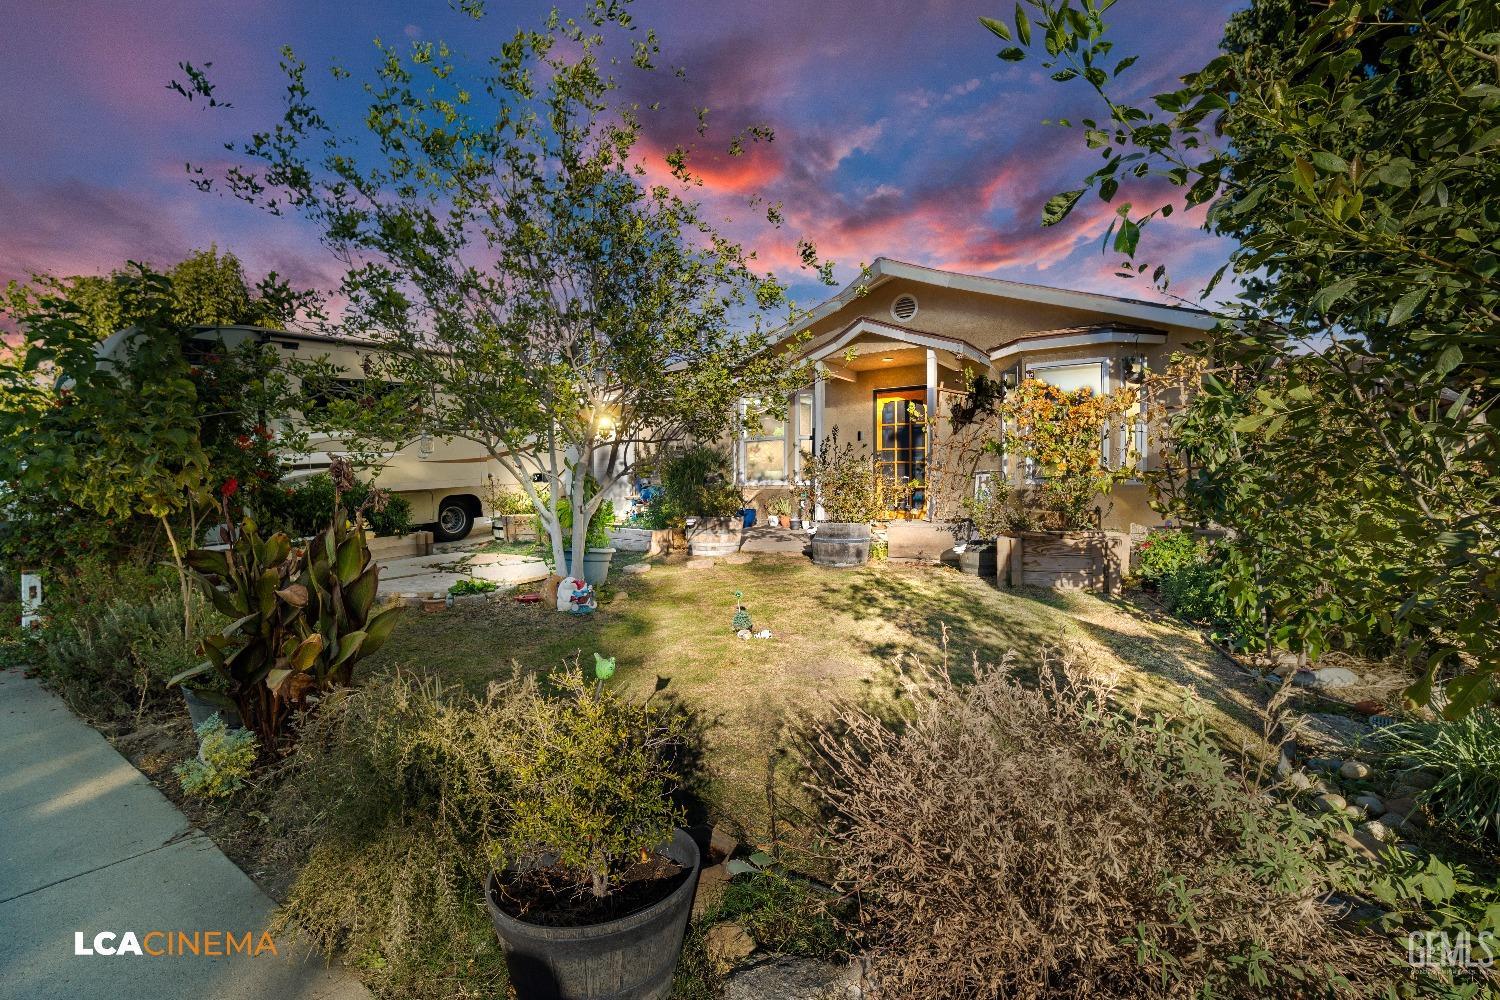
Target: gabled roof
1077, 336
906, 334
886, 269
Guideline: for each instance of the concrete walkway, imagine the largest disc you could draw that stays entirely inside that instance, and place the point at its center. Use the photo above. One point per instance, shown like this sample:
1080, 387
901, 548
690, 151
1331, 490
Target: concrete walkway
87, 844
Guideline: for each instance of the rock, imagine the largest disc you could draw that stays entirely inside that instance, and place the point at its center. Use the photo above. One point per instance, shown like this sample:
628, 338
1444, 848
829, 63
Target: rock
1355, 770
1403, 804
1325, 765
634, 568
711, 883
620, 598
1325, 679
1393, 821
743, 633
1420, 778
1326, 732
1363, 846
721, 843
1355, 813
1377, 829
1369, 706
701, 562
1283, 669
726, 944
1300, 781
793, 979
1370, 803
1329, 802
738, 558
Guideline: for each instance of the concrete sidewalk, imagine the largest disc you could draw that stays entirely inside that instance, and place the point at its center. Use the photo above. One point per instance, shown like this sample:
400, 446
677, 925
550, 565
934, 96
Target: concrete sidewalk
87, 844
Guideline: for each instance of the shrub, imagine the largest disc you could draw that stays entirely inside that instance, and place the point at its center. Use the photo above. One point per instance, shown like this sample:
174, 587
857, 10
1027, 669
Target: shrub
599, 525
109, 659
699, 482
1015, 842
224, 761
398, 789
1166, 552
591, 782
510, 500
472, 586
842, 482
1466, 753
651, 515
304, 509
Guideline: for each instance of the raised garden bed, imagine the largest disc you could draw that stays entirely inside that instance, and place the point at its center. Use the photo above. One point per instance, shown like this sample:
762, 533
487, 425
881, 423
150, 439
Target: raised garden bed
651, 542
1063, 560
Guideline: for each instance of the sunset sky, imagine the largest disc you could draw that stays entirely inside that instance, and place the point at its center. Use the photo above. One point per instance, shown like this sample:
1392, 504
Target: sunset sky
898, 131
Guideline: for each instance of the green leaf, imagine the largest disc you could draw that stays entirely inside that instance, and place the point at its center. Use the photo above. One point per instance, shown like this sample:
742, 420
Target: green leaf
1329, 162
1023, 26
212, 561
996, 26
201, 668
306, 652
1448, 360
1012, 54
379, 628
348, 646
1059, 205
1405, 306
1127, 238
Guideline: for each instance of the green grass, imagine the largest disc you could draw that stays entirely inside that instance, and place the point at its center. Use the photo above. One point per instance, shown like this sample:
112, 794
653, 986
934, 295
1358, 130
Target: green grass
837, 633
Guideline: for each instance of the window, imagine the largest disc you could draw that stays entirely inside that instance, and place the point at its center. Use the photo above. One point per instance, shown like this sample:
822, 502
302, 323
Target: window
1071, 378
806, 434
762, 446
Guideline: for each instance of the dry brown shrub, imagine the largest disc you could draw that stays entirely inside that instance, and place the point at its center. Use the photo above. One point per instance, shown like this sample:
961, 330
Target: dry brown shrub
1005, 841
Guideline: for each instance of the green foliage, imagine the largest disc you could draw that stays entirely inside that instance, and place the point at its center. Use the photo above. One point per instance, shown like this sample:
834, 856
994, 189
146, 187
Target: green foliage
698, 481
1166, 552
563, 312
111, 657
306, 507
591, 782
396, 790
1466, 753
841, 481
1343, 423
651, 515
510, 501
473, 586
597, 536
783, 911
225, 760
301, 618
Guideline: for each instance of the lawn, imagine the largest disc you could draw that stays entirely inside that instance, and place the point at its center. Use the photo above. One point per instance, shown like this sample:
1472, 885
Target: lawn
837, 633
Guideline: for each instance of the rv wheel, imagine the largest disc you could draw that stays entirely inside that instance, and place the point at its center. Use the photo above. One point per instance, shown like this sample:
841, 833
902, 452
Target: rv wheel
454, 522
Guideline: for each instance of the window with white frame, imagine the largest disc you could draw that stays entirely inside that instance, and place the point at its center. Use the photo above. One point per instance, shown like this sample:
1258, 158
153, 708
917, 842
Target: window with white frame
805, 434
1070, 377
763, 440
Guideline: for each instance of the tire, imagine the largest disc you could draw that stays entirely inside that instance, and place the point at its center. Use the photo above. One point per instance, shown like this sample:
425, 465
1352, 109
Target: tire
454, 522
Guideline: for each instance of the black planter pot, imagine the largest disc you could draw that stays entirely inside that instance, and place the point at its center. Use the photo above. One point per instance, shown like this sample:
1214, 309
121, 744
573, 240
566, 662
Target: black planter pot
631, 958
202, 705
979, 560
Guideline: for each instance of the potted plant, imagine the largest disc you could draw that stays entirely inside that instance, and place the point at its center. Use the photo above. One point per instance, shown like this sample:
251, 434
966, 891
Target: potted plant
781, 509
594, 880
840, 484
699, 483
598, 555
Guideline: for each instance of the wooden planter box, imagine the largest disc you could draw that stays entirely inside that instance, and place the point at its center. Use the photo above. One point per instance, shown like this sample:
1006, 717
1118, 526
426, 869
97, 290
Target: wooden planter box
514, 527
1063, 560
413, 543
653, 543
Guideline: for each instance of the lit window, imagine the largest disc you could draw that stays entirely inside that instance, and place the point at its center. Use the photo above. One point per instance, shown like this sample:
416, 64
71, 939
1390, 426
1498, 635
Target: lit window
763, 447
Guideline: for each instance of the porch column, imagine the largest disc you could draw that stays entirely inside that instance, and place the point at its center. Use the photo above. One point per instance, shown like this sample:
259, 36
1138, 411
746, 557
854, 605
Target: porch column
932, 424
820, 382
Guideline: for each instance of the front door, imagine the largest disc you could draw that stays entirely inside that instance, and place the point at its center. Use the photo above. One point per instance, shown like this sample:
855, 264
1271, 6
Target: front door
901, 449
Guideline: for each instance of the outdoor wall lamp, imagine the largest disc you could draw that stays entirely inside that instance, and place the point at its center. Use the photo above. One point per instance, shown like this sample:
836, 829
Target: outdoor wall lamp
1135, 370
424, 445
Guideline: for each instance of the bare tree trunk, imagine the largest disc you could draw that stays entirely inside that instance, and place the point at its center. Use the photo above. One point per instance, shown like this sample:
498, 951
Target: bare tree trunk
182, 581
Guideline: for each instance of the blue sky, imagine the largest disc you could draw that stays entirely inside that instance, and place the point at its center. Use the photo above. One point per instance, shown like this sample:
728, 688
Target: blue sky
898, 131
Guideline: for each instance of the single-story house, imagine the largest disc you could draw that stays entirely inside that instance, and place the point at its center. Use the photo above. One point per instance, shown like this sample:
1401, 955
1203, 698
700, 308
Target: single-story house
904, 333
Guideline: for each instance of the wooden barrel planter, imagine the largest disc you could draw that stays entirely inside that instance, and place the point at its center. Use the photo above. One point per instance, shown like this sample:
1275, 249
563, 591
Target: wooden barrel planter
715, 536
841, 543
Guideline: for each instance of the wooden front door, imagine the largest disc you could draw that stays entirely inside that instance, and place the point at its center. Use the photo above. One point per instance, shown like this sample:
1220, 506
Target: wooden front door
901, 449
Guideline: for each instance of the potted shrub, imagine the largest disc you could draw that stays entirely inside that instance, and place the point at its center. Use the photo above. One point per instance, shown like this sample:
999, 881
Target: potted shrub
598, 554
841, 483
594, 881
781, 510
699, 488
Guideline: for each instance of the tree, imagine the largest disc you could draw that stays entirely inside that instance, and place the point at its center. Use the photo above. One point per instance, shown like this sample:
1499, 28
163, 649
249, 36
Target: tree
151, 430
531, 286
1343, 427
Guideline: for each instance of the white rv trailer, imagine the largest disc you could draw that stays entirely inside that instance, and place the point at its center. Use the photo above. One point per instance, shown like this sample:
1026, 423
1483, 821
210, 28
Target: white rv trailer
445, 481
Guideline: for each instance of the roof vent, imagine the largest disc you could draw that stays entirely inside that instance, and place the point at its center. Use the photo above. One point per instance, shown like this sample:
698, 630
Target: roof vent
904, 308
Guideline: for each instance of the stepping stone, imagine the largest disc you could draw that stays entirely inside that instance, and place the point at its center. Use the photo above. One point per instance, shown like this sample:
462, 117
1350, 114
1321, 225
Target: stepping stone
635, 569
701, 562
1327, 678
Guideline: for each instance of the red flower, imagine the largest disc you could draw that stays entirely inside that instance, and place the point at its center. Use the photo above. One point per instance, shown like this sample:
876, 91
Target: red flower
230, 488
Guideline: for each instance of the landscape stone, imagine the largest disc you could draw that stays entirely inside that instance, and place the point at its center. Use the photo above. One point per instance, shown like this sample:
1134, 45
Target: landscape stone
701, 562
1329, 802
1326, 678
1393, 821
1370, 803
1403, 804
640, 567
782, 978
1327, 732
1418, 778
1300, 781
1325, 765
1377, 829
1355, 770
726, 944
